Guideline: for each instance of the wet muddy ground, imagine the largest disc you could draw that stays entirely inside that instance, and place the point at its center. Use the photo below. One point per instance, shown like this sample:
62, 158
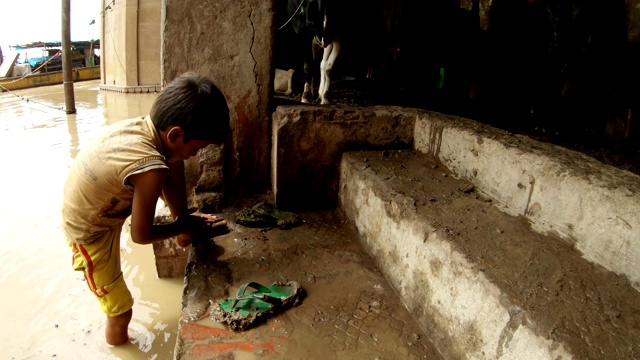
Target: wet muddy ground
349, 311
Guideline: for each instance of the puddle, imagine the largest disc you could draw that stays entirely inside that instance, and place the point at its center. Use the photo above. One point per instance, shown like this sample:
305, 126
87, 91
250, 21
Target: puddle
47, 309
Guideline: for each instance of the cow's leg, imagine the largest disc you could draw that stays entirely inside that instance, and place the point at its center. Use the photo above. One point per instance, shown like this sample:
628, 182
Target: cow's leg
307, 92
328, 59
309, 71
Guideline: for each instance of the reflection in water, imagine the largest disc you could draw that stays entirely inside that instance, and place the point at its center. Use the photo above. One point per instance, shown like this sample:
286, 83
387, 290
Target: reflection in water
73, 132
47, 310
117, 106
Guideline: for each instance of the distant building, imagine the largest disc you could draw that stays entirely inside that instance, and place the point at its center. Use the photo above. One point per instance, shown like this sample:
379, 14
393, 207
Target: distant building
131, 51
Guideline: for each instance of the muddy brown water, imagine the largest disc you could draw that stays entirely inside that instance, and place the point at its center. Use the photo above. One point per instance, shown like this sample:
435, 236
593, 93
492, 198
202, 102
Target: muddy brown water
47, 310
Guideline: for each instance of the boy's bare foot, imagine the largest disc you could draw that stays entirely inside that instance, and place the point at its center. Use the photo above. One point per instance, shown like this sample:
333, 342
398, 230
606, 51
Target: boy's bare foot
116, 332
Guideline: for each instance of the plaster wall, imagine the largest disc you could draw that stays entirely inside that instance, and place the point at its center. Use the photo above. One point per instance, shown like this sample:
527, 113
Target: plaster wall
231, 42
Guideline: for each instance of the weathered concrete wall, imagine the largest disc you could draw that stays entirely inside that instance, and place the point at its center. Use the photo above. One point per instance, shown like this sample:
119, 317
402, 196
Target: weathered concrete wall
130, 46
308, 142
592, 206
231, 42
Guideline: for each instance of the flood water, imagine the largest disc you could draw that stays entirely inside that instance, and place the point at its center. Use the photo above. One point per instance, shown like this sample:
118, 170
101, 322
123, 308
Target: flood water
46, 309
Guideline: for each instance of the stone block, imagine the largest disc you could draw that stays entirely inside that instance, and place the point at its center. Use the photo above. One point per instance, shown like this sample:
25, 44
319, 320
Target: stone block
308, 142
208, 202
211, 179
170, 258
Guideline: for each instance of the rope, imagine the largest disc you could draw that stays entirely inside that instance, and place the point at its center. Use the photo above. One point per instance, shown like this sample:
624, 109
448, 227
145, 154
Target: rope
108, 7
29, 100
292, 16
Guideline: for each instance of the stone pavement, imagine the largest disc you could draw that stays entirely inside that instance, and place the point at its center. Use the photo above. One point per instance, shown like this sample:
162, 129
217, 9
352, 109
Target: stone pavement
349, 311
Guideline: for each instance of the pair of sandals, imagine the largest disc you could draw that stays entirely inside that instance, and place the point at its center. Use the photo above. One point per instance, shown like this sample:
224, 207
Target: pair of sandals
248, 308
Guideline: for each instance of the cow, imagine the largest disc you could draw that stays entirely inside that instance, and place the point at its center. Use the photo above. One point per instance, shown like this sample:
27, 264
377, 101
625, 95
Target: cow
317, 24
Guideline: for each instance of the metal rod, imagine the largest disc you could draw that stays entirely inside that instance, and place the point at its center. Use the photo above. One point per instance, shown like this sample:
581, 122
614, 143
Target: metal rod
67, 75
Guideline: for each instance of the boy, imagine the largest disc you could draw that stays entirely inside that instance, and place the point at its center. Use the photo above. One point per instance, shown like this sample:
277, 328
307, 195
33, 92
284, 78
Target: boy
123, 173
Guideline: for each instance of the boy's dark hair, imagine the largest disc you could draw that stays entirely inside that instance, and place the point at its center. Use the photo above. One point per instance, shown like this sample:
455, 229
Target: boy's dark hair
194, 103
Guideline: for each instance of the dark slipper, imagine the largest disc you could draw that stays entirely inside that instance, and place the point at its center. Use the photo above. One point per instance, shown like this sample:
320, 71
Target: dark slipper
247, 308
264, 214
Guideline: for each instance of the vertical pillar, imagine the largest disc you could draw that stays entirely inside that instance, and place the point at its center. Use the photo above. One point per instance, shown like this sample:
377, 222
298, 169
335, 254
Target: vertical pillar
130, 43
67, 75
103, 49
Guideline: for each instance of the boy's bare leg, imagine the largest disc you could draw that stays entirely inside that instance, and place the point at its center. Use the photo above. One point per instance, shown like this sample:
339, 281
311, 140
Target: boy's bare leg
117, 326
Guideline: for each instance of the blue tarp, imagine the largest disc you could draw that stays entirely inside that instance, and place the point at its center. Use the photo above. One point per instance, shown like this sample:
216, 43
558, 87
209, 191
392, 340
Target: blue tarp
34, 61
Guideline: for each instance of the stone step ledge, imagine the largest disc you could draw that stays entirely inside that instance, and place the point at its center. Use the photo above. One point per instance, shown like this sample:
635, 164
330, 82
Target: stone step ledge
592, 206
482, 282
143, 89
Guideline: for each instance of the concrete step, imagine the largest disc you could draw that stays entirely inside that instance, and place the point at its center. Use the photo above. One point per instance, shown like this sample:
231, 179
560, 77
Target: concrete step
589, 205
592, 206
480, 280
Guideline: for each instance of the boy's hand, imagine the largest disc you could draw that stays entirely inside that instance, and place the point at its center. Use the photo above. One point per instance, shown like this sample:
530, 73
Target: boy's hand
198, 225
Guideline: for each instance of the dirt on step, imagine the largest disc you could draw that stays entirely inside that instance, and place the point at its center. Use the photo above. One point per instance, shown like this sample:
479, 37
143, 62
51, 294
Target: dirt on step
349, 311
544, 281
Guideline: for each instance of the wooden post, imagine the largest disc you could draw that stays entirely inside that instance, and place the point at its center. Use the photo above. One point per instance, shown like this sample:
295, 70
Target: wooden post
67, 75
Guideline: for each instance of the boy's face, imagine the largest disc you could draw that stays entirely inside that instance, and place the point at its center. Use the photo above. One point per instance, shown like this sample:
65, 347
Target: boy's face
178, 149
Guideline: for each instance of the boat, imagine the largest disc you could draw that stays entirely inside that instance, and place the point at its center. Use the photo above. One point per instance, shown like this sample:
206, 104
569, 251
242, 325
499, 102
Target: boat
48, 78
47, 69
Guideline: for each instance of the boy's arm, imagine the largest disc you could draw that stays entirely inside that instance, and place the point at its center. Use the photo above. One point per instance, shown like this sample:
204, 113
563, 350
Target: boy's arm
147, 189
174, 192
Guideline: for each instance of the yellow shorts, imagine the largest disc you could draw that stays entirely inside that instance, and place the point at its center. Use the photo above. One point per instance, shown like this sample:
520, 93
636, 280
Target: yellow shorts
100, 262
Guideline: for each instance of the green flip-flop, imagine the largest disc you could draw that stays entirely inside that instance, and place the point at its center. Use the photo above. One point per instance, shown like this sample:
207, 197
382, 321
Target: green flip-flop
264, 214
246, 308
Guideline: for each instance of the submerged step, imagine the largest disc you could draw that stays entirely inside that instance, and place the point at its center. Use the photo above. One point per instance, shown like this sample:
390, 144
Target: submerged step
481, 281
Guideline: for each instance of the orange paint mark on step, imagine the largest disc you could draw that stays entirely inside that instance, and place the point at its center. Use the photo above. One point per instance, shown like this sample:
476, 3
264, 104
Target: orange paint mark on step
209, 351
197, 332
